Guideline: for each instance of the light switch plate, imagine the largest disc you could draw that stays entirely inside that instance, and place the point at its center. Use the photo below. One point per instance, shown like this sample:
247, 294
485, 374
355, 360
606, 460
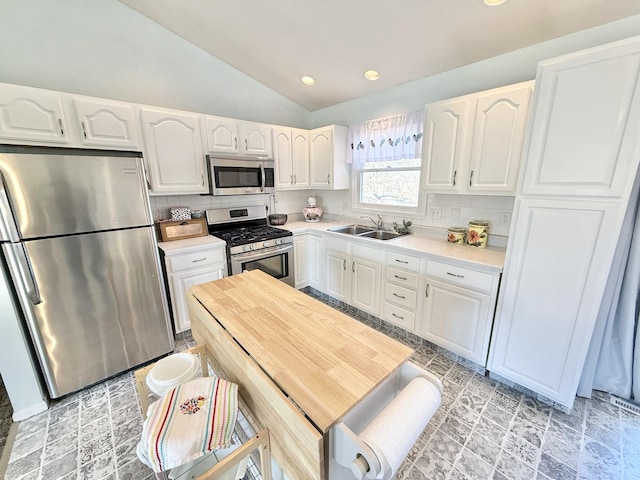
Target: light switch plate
435, 212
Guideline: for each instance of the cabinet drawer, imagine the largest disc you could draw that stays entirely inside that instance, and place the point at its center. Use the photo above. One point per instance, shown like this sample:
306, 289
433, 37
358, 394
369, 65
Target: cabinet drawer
460, 276
401, 277
403, 261
195, 259
399, 316
400, 295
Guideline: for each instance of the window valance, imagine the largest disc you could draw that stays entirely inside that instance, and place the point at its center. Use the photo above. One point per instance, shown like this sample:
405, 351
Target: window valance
386, 139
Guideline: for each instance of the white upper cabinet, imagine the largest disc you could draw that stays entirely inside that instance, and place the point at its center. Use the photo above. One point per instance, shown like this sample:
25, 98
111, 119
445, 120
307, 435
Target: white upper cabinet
581, 142
496, 144
31, 115
443, 144
291, 151
106, 124
174, 151
327, 158
234, 137
472, 144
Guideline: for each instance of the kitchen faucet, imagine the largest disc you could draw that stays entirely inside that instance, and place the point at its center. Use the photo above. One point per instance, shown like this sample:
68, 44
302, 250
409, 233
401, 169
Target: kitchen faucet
377, 223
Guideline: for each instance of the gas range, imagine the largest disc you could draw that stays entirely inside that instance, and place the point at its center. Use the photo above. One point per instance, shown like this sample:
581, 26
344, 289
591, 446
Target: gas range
251, 243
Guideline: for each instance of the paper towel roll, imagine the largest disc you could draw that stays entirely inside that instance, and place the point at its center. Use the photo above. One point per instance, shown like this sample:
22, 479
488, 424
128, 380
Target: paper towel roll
395, 430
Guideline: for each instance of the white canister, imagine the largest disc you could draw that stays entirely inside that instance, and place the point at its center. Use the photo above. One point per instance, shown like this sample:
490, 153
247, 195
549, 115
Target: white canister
478, 234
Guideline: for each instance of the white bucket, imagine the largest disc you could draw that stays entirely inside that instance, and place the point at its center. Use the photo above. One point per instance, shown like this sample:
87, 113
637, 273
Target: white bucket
171, 371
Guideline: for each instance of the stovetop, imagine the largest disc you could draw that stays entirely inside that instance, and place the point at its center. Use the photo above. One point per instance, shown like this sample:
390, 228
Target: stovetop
250, 234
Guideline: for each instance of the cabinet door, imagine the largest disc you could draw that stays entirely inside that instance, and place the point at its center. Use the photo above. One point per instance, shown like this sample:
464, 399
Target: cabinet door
106, 124
337, 277
179, 284
174, 152
365, 287
444, 143
31, 115
300, 154
222, 135
316, 255
255, 139
498, 133
585, 123
301, 258
457, 319
283, 152
321, 158
553, 282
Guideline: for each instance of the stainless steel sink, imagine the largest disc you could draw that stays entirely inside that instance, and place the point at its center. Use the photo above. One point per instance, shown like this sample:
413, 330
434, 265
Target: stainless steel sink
366, 232
381, 234
351, 229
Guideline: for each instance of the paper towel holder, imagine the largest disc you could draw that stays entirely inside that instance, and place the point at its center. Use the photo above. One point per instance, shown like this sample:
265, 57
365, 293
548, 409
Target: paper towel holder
352, 452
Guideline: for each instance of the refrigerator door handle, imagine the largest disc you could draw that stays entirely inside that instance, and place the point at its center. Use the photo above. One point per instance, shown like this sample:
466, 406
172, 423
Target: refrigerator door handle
8, 227
26, 273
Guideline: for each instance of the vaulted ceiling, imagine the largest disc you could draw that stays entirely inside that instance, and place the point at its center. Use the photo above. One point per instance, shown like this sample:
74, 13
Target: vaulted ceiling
335, 41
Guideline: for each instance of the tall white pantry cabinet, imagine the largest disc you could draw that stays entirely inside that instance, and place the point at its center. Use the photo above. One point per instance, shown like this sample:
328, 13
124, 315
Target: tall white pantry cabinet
580, 160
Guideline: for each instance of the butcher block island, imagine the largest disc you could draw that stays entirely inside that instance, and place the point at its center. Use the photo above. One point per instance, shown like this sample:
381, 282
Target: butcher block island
301, 365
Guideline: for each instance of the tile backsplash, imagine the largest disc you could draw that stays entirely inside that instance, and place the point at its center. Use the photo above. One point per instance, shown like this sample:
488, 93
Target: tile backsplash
443, 210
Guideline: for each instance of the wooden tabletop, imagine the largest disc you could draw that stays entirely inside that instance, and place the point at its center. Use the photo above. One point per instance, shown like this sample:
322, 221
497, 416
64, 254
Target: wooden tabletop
324, 360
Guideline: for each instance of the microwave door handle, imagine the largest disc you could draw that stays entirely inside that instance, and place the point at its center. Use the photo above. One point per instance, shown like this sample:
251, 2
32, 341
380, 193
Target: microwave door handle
8, 226
264, 178
26, 272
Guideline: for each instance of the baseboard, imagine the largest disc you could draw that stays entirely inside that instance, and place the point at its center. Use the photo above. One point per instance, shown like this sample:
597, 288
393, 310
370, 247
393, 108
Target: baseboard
30, 412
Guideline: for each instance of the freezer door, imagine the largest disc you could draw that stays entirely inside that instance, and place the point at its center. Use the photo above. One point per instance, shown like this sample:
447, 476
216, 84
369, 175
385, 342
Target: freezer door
99, 310
55, 191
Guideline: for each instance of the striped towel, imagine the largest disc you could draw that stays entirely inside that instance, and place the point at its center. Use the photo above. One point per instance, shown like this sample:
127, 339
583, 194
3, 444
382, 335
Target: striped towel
189, 421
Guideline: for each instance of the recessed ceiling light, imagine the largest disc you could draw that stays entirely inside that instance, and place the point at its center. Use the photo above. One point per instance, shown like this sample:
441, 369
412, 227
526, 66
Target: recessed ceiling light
307, 80
371, 75
493, 3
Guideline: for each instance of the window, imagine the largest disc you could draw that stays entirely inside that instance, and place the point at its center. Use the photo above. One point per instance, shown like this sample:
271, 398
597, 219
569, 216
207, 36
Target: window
387, 158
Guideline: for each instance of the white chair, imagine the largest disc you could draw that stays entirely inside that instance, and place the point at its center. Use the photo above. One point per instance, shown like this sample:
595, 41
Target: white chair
222, 464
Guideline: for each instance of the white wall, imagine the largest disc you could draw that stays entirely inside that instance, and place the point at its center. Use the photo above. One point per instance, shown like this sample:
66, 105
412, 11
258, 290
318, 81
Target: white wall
105, 49
517, 66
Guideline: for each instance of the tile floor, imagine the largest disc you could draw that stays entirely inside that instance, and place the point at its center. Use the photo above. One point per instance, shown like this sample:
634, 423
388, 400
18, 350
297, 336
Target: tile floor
483, 430
6, 411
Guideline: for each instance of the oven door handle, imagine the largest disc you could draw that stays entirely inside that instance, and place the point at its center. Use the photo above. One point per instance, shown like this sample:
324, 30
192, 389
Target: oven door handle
264, 178
261, 253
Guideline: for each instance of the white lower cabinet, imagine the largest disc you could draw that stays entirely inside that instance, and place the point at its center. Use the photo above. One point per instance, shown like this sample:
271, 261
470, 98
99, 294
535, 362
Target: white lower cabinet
184, 270
301, 260
315, 249
400, 290
351, 278
459, 304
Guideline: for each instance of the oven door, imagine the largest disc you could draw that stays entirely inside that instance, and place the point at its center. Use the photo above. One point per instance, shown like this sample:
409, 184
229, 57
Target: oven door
276, 261
240, 177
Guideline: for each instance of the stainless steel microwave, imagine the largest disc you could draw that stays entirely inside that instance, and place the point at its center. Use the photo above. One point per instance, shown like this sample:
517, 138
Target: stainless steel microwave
230, 176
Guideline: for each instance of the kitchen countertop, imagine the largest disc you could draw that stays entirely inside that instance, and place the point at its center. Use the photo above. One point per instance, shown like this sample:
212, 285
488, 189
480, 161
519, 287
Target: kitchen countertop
491, 258
324, 360
194, 244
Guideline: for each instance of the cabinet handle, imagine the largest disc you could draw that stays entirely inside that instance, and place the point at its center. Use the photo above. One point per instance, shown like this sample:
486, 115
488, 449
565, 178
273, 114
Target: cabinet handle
202, 177
401, 261
295, 179
455, 172
399, 277
455, 275
61, 129
399, 296
84, 130
344, 264
397, 316
199, 260
426, 293
329, 179
470, 177
291, 179
246, 144
235, 141
353, 267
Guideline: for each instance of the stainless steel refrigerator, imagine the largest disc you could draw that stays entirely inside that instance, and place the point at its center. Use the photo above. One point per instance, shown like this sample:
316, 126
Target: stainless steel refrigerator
79, 243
